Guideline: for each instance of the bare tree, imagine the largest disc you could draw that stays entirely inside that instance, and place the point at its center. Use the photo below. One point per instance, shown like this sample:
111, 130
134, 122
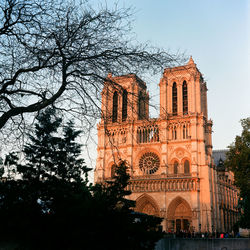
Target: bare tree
59, 53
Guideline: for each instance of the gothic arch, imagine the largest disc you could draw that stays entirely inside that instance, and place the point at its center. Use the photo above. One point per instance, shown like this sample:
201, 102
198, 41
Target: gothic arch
112, 165
124, 105
179, 153
179, 208
174, 160
115, 107
184, 97
187, 79
174, 99
174, 81
186, 164
113, 170
146, 204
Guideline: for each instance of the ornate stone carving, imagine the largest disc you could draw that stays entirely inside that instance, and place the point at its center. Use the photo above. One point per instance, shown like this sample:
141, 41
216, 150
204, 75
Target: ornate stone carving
180, 153
149, 163
149, 209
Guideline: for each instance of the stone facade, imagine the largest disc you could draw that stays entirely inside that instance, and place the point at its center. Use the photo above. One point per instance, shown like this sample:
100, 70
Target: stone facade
169, 158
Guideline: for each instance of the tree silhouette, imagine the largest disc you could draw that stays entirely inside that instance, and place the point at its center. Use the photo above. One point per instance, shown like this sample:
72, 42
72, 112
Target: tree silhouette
51, 205
59, 53
238, 160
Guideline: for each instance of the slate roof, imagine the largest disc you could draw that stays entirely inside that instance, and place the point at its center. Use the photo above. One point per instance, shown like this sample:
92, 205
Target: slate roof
219, 155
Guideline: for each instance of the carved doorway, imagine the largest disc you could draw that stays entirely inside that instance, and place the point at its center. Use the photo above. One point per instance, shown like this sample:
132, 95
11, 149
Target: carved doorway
147, 205
178, 225
179, 215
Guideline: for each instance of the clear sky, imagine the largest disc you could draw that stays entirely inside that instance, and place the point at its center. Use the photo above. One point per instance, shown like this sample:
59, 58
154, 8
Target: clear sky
217, 34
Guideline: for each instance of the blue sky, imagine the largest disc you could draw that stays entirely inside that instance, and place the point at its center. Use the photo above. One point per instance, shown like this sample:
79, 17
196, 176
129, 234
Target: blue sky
216, 34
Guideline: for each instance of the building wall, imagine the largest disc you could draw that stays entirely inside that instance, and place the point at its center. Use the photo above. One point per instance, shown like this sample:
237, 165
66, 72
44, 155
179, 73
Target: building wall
169, 158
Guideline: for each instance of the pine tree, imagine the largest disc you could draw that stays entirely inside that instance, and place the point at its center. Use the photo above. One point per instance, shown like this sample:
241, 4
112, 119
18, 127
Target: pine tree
53, 207
52, 188
69, 166
40, 151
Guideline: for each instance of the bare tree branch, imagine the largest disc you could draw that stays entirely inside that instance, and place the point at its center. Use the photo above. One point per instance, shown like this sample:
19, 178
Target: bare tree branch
59, 53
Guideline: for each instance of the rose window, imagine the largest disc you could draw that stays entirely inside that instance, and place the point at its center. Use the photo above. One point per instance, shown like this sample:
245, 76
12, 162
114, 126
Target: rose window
149, 163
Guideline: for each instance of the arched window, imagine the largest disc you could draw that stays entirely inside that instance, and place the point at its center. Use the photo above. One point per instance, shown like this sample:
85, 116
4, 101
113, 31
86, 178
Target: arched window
176, 167
184, 132
185, 98
186, 167
115, 107
124, 105
174, 133
141, 106
113, 170
174, 99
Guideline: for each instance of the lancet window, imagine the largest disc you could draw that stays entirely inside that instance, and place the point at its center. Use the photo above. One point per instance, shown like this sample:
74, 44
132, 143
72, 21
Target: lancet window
174, 133
115, 107
113, 170
124, 105
117, 136
176, 164
185, 98
185, 131
174, 98
146, 134
186, 167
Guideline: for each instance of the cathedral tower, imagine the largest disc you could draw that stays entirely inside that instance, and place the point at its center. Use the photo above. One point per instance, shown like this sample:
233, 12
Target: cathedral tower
170, 157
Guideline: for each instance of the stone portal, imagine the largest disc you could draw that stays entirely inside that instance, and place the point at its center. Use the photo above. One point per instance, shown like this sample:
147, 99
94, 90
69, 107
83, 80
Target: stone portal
179, 215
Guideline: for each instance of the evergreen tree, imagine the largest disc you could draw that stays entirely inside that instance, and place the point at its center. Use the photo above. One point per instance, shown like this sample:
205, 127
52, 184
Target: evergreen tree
53, 207
69, 166
118, 225
41, 150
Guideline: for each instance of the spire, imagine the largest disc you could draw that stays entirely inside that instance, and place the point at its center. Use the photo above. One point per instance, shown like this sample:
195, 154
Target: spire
191, 61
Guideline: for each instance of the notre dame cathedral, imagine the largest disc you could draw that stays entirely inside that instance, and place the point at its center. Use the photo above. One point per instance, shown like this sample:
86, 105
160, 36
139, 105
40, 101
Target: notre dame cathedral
170, 158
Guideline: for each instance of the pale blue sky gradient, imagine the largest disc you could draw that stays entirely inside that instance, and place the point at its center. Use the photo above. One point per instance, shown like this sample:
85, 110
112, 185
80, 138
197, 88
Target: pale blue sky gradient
216, 34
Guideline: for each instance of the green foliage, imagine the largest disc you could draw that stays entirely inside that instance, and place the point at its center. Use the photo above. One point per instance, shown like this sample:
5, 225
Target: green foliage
53, 207
238, 160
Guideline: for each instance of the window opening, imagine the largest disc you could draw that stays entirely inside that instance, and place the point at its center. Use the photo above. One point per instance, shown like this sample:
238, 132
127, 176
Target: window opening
176, 167
186, 167
115, 107
124, 105
174, 99
185, 98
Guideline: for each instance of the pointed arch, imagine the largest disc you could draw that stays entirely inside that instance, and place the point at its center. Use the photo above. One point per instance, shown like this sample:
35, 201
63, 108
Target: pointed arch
146, 204
185, 98
186, 167
184, 131
179, 207
174, 99
124, 105
115, 107
113, 170
176, 165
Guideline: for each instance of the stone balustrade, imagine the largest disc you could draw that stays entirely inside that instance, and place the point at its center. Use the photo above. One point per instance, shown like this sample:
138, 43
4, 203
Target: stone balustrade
159, 185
